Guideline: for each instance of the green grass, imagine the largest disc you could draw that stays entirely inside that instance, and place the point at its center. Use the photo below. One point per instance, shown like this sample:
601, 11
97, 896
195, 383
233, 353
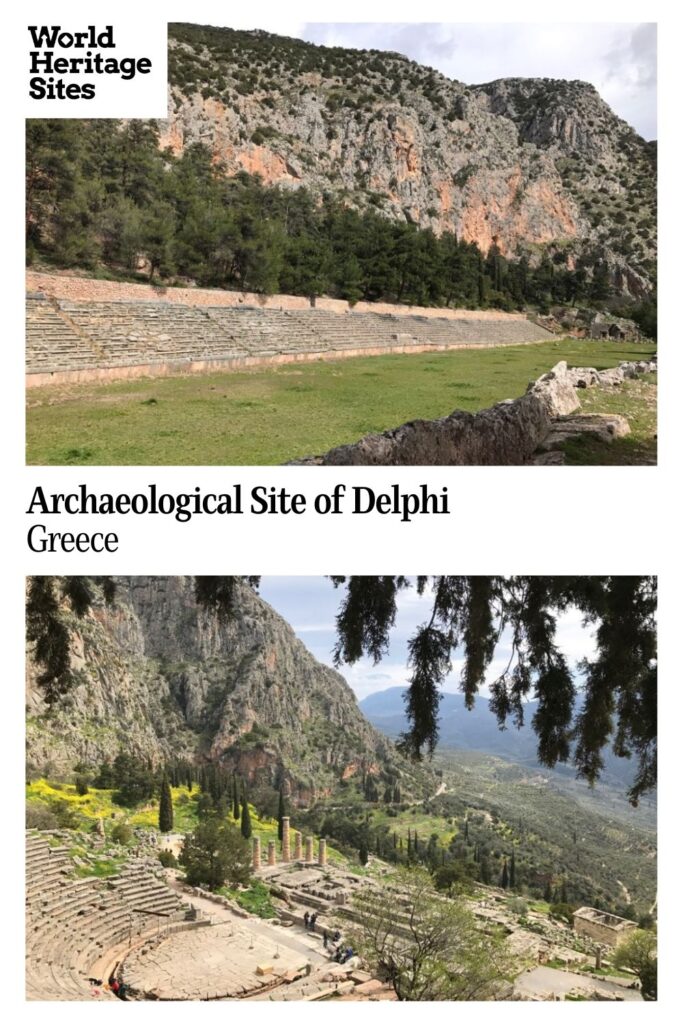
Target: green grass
637, 401
256, 899
269, 416
416, 819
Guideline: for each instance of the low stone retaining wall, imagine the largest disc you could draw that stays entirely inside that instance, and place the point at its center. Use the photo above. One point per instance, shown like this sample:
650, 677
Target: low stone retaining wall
106, 375
507, 434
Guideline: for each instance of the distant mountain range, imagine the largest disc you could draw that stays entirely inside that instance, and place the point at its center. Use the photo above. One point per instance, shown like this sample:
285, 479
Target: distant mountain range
478, 730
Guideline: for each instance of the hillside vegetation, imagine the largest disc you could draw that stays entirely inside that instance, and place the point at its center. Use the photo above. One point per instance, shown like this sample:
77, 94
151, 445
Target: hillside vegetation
295, 168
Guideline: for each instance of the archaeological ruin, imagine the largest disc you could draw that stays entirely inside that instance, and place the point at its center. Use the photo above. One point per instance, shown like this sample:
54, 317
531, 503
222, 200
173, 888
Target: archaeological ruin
521, 431
82, 339
602, 927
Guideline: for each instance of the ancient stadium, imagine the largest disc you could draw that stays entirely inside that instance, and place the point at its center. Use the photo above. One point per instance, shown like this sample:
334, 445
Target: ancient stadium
183, 331
129, 373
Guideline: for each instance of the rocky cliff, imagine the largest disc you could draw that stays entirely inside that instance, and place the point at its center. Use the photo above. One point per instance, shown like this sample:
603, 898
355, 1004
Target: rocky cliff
532, 165
164, 679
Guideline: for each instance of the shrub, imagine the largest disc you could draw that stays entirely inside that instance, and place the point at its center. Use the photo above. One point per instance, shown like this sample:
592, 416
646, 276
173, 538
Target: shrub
81, 785
40, 816
122, 833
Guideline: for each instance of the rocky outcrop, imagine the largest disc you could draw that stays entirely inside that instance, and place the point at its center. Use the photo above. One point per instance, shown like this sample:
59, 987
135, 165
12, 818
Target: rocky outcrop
164, 679
531, 164
507, 434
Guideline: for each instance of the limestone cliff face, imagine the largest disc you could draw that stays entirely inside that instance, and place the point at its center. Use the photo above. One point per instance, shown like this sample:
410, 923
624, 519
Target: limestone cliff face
530, 164
164, 679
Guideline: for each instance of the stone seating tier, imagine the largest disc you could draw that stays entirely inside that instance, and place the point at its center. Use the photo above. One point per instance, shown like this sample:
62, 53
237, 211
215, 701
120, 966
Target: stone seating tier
72, 923
64, 335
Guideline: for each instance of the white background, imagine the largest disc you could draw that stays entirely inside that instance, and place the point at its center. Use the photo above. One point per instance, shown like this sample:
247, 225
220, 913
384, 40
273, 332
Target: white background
525, 520
145, 95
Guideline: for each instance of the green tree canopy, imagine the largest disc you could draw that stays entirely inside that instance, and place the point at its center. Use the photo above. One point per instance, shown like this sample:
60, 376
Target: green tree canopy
165, 806
440, 953
616, 699
639, 954
215, 854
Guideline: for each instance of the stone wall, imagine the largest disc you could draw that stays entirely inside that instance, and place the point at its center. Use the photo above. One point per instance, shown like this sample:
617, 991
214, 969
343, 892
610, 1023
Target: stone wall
606, 929
507, 434
84, 289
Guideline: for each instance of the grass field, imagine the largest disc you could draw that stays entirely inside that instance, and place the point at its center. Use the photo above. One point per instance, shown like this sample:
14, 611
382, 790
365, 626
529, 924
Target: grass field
269, 416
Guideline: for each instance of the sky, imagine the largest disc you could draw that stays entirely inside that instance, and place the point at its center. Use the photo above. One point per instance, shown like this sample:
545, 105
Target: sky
618, 58
310, 603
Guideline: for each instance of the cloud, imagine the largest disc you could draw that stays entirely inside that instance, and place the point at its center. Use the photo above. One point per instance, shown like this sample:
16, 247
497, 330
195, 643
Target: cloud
313, 602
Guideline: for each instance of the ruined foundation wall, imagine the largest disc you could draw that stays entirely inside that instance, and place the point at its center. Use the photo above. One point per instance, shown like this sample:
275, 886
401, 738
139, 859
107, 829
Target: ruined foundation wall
507, 434
602, 933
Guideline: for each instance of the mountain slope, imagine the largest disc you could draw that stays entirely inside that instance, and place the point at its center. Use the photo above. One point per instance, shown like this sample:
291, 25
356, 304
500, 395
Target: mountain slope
532, 165
164, 679
477, 730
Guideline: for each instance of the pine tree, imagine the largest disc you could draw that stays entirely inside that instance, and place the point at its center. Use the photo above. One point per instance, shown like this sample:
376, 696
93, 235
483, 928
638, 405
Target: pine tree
245, 826
165, 806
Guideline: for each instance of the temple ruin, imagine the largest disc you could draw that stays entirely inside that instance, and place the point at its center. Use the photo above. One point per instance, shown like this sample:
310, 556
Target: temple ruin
607, 929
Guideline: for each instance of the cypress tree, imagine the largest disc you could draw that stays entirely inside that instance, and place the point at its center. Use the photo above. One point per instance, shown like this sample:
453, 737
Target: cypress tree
235, 800
563, 892
512, 870
548, 892
245, 826
363, 852
165, 806
504, 878
280, 814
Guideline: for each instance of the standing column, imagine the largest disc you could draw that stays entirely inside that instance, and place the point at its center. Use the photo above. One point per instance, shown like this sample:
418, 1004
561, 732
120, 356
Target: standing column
309, 849
271, 853
297, 846
256, 853
322, 852
285, 840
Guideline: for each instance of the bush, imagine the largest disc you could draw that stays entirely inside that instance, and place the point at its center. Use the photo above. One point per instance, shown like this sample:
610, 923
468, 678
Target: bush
167, 859
40, 816
561, 912
81, 785
122, 833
